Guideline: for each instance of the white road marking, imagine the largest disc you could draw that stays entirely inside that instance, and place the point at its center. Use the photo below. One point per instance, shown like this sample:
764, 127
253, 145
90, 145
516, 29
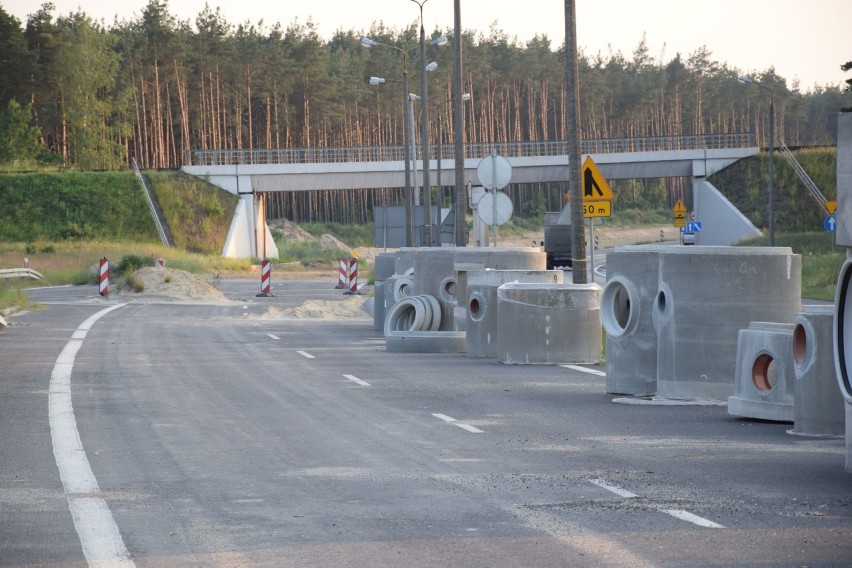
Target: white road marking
690, 518
613, 489
356, 380
444, 417
676, 513
455, 422
305, 354
275, 337
584, 370
99, 535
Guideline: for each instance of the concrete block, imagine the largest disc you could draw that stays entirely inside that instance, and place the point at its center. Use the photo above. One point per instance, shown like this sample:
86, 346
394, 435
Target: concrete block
425, 342
705, 296
481, 305
819, 406
627, 305
435, 271
842, 335
765, 377
385, 266
550, 323
379, 309
3, 324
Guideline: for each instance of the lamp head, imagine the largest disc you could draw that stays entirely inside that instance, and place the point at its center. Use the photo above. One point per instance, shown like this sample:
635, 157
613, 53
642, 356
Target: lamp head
367, 42
466, 97
413, 97
376, 80
443, 40
744, 79
432, 66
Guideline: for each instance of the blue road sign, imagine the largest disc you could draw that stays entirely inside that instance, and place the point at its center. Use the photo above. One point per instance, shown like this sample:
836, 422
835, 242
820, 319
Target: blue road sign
691, 227
830, 223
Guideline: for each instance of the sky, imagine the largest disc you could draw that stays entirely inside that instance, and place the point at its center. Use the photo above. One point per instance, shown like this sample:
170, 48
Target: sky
804, 41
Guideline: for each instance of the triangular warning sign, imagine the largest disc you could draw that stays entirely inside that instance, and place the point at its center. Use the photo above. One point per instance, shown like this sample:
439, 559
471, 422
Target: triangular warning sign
595, 187
679, 207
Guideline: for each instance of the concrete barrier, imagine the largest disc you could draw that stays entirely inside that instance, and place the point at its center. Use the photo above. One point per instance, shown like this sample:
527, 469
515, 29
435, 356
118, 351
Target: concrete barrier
550, 323
425, 342
842, 333
818, 408
627, 305
705, 296
3, 324
383, 268
765, 377
481, 304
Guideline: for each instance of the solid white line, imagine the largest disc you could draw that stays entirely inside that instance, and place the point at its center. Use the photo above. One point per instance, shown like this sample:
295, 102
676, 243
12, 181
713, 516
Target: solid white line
444, 417
690, 518
273, 336
99, 535
470, 428
306, 355
584, 370
613, 489
356, 380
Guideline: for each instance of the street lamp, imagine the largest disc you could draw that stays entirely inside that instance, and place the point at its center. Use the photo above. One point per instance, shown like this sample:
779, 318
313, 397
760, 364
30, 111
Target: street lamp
749, 81
424, 123
409, 207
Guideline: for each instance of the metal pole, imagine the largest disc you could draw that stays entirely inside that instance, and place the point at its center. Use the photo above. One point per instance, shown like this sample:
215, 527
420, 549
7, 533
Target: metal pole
440, 157
771, 166
494, 194
409, 207
460, 192
413, 150
578, 246
424, 133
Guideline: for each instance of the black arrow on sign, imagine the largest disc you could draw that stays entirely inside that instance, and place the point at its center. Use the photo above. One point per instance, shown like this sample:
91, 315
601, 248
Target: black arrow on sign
589, 184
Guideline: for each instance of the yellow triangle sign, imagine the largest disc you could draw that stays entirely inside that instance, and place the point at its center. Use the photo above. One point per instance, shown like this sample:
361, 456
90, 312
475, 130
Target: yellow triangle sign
595, 187
679, 207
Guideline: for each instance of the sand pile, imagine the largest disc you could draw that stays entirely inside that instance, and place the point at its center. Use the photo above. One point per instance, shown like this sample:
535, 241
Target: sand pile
350, 308
168, 284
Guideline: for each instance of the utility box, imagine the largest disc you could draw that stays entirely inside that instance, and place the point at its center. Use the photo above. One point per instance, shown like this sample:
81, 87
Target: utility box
557, 241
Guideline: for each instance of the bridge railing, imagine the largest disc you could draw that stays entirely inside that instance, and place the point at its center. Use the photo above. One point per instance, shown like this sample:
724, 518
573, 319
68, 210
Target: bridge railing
472, 151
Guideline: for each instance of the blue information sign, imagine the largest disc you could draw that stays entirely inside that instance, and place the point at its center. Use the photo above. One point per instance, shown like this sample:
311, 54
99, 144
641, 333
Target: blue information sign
691, 227
830, 223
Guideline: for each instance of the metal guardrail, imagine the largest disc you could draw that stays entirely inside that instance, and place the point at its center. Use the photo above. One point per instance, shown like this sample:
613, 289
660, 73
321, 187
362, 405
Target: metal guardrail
20, 273
472, 151
160, 229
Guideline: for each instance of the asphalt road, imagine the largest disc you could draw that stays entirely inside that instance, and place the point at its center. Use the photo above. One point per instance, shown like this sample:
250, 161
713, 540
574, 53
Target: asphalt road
213, 437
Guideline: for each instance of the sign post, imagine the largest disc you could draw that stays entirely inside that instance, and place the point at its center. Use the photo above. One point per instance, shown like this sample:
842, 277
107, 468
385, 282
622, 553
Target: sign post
597, 200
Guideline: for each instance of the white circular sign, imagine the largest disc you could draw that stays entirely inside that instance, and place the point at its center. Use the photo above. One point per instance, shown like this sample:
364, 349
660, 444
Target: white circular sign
486, 208
692, 215
494, 172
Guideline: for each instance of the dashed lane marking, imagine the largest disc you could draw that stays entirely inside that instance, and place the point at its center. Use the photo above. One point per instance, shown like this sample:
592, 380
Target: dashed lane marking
357, 381
305, 354
455, 422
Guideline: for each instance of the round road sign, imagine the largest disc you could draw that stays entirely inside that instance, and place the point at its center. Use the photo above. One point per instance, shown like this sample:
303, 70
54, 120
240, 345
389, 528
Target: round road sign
486, 208
494, 172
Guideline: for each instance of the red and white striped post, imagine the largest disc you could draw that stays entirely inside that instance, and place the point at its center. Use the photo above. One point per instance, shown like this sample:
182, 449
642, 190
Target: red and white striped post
103, 280
265, 278
342, 273
352, 276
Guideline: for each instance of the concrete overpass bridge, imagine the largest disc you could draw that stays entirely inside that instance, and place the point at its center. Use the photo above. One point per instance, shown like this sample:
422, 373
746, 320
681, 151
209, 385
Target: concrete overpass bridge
248, 173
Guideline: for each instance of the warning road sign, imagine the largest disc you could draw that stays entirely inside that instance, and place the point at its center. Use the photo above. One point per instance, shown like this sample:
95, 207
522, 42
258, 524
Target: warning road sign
595, 187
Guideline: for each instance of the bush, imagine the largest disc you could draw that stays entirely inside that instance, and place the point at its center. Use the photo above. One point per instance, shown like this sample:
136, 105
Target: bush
131, 263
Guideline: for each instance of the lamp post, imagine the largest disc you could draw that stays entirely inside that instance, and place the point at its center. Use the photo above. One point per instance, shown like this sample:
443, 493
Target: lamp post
409, 208
771, 221
465, 97
424, 123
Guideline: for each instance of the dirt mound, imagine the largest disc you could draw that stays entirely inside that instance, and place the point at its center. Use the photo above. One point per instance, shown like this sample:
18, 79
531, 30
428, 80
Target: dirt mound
330, 242
168, 284
291, 231
350, 308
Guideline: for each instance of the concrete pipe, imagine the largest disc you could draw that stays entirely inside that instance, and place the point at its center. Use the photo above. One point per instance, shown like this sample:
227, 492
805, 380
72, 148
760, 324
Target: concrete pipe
550, 323
842, 332
705, 296
425, 342
414, 313
627, 304
765, 378
818, 408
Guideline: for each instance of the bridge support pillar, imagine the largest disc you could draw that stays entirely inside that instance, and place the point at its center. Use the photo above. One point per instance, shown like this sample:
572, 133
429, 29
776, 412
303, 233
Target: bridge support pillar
249, 235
